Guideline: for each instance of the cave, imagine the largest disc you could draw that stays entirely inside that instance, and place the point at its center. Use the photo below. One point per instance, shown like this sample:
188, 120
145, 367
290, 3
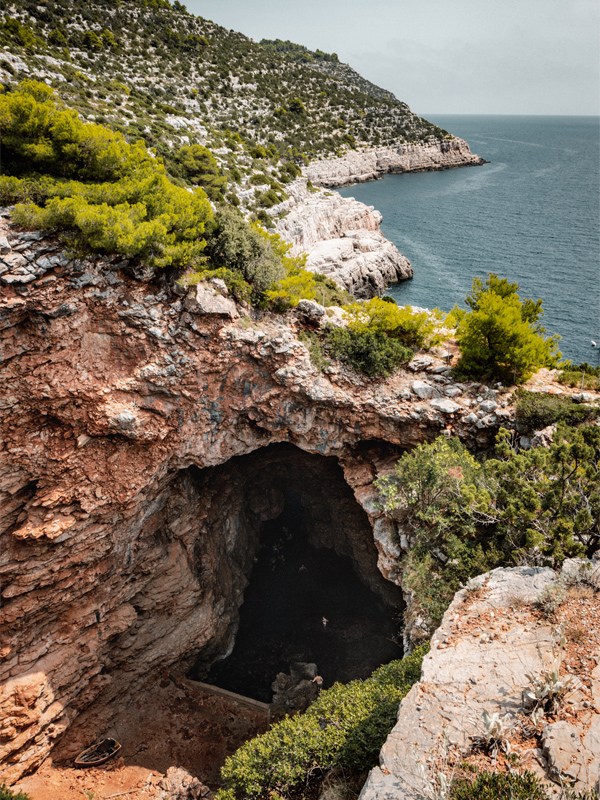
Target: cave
301, 568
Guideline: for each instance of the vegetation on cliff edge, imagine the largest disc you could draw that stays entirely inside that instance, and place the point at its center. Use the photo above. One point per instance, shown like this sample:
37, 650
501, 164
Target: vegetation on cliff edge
345, 727
501, 336
460, 517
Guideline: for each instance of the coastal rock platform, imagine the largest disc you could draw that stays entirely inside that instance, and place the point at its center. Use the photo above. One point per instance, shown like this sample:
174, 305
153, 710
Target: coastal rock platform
370, 164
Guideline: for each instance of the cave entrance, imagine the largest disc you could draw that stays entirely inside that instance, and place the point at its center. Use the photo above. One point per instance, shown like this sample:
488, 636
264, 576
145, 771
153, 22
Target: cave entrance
314, 594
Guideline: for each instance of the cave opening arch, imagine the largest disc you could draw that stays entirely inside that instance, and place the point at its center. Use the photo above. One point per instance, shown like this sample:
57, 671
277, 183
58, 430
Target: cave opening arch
296, 566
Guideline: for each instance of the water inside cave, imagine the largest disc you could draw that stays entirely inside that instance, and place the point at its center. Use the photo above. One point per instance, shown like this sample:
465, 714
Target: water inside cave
305, 604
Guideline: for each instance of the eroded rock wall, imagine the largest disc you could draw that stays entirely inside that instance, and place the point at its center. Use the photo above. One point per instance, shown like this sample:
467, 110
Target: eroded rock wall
115, 388
355, 166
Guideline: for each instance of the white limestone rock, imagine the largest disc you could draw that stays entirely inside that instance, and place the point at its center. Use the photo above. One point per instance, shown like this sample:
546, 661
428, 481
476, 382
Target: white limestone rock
445, 406
205, 299
354, 167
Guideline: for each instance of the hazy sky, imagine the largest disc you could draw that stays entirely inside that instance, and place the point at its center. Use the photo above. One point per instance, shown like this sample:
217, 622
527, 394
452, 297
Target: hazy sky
445, 56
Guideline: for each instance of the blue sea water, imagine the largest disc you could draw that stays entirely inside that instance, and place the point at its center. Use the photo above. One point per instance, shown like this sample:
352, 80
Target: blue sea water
531, 215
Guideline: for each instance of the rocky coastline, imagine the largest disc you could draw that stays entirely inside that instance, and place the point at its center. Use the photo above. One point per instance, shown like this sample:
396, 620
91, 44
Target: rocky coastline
342, 240
372, 163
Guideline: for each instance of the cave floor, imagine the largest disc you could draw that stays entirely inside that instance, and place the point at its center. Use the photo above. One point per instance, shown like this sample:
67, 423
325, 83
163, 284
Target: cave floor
175, 724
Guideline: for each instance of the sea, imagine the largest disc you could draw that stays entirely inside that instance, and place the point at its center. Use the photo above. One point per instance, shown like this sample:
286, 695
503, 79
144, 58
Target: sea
532, 215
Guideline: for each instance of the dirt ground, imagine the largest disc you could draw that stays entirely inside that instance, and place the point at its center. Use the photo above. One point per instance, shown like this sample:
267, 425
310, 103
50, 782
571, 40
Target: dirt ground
177, 724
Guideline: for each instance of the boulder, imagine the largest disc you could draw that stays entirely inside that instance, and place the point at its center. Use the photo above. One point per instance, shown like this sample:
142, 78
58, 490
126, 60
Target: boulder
205, 299
424, 390
445, 406
180, 785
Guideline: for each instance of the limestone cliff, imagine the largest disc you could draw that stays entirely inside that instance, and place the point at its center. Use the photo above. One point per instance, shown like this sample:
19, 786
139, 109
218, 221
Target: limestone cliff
491, 638
123, 553
372, 163
342, 239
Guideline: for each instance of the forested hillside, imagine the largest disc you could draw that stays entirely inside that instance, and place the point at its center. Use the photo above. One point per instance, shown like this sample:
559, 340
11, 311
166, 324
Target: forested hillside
156, 72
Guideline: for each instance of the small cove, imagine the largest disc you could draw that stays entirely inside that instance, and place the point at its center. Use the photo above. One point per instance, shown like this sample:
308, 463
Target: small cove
530, 215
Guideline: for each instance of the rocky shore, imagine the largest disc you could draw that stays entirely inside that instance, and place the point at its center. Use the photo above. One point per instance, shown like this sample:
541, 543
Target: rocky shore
373, 163
342, 239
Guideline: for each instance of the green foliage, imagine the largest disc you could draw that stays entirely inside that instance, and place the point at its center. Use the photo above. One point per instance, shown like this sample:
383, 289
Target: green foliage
297, 52
315, 349
461, 517
200, 167
57, 38
296, 106
379, 336
299, 284
501, 336
583, 376
369, 351
41, 135
345, 727
8, 794
236, 285
92, 41
411, 328
135, 211
500, 786
246, 250
434, 493
535, 410
20, 33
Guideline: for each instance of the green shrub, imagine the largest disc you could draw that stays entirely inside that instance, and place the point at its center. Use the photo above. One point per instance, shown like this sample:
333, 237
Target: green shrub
379, 336
500, 786
259, 179
315, 349
236, 286
346, 727
199, 166
535, 410
575, 375
369, 351
246, 249
501, 335
462, 517
126, 205
21, 33
411, 328
8, 794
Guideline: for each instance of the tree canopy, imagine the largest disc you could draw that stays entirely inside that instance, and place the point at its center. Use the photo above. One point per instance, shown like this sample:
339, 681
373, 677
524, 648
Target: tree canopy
501, 336
105, 194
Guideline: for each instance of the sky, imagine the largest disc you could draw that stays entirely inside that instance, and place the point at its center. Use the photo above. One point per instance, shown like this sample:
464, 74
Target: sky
445, 56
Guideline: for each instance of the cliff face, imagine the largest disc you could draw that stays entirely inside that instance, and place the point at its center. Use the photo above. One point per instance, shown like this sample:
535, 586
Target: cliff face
491, 638
121, 553
342, 239
354, 167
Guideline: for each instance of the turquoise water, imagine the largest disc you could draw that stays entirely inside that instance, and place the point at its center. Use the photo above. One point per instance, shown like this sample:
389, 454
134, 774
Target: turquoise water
530, 215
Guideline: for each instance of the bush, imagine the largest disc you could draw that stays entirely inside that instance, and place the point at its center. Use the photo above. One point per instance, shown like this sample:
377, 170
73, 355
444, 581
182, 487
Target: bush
246, 249
379, 335
412, 328
535, 410
501, 336
346, 727
461, 517
500, 786
126, 205
369, 351
199, 166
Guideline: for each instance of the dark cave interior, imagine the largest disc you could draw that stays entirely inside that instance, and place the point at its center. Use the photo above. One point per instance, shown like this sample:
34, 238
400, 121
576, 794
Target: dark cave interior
314, 593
